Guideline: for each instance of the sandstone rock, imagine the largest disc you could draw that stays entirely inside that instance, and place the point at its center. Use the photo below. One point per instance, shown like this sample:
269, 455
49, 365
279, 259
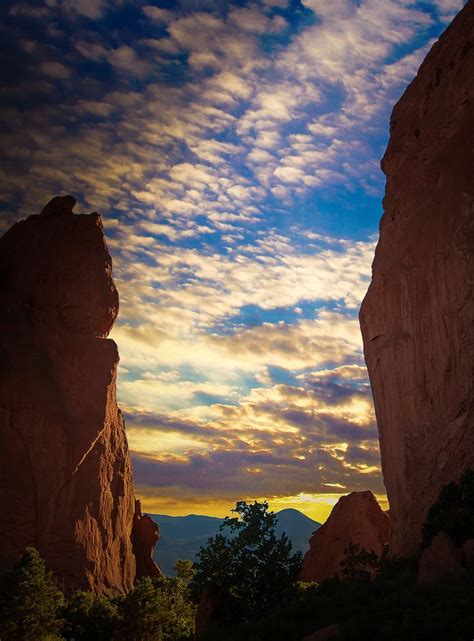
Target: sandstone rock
329, 633
356, 518
440, 560
59, 205
145, 536
65, 475
418, 314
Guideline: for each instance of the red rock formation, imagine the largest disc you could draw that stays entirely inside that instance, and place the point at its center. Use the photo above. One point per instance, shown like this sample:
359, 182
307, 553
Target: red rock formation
418, 314
145, 536
356, 518
65, 475
440, 560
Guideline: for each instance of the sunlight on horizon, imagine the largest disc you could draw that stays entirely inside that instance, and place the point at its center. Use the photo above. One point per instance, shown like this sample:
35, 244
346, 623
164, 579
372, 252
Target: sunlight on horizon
316, 506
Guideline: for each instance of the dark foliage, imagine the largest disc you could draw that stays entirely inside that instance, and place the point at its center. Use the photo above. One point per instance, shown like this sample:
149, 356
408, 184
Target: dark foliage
158, 609
89, 618
251, 569
390, 608
29, 601
359, 564
453, 512
33, 609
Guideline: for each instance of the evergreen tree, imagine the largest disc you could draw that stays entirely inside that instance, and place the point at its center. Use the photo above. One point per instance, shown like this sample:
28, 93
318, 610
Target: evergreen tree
158, 610
250, 569
89, 618
29, 601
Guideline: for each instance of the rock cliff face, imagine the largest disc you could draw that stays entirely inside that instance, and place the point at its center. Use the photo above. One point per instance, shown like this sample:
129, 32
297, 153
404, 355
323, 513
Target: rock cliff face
356, 518
417, 317
65, 475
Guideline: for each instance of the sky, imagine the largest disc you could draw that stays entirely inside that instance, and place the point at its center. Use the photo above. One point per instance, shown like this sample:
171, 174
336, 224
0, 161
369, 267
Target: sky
232, 149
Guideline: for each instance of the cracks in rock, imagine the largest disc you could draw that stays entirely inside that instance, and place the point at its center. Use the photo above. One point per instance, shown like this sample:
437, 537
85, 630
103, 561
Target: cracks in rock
376, 338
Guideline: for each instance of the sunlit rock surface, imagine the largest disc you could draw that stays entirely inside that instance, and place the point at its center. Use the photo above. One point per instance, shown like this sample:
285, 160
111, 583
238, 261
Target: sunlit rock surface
356, 518
417, 317
65, 474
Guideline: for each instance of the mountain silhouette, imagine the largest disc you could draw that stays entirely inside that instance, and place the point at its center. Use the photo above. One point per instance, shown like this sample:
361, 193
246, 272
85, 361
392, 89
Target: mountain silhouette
182, 536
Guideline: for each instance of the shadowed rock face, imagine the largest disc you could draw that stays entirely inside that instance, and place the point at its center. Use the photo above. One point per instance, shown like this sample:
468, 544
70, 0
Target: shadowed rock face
417, 317
145, 536
442, 559
356, 518
65, 474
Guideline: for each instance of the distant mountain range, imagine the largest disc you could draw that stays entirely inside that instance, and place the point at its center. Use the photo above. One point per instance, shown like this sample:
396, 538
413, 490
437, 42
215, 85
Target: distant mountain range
182, 536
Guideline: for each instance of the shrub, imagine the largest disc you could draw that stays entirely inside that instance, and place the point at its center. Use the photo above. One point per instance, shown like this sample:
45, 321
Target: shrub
452, 512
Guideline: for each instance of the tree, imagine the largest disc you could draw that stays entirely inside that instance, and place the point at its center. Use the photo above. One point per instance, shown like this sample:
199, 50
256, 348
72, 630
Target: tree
359, 564
88, 617
29, 601
143, 613
185, 570
158, 609
250, 569
452, 512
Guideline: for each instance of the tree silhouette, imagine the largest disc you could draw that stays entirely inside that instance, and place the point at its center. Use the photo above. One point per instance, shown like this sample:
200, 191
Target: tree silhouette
452, 512
250, 569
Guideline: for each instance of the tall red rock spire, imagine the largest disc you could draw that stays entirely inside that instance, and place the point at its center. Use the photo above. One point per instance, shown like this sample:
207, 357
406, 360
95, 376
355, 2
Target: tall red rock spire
65, 473
417, 318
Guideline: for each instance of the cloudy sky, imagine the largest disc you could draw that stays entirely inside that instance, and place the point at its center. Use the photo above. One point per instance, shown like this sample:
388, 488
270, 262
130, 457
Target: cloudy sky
233, 151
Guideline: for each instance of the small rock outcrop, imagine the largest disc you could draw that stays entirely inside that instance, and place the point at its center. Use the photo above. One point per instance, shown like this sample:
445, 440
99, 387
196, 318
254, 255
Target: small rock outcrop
418, 314
356, 518
65, 473
145, 536
442, 559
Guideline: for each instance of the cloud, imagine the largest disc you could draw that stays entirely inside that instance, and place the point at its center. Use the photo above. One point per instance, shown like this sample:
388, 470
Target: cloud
252, 20
299, 438
234, 153
160, 15
55, 70
92, 9
126, 59
448, 8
